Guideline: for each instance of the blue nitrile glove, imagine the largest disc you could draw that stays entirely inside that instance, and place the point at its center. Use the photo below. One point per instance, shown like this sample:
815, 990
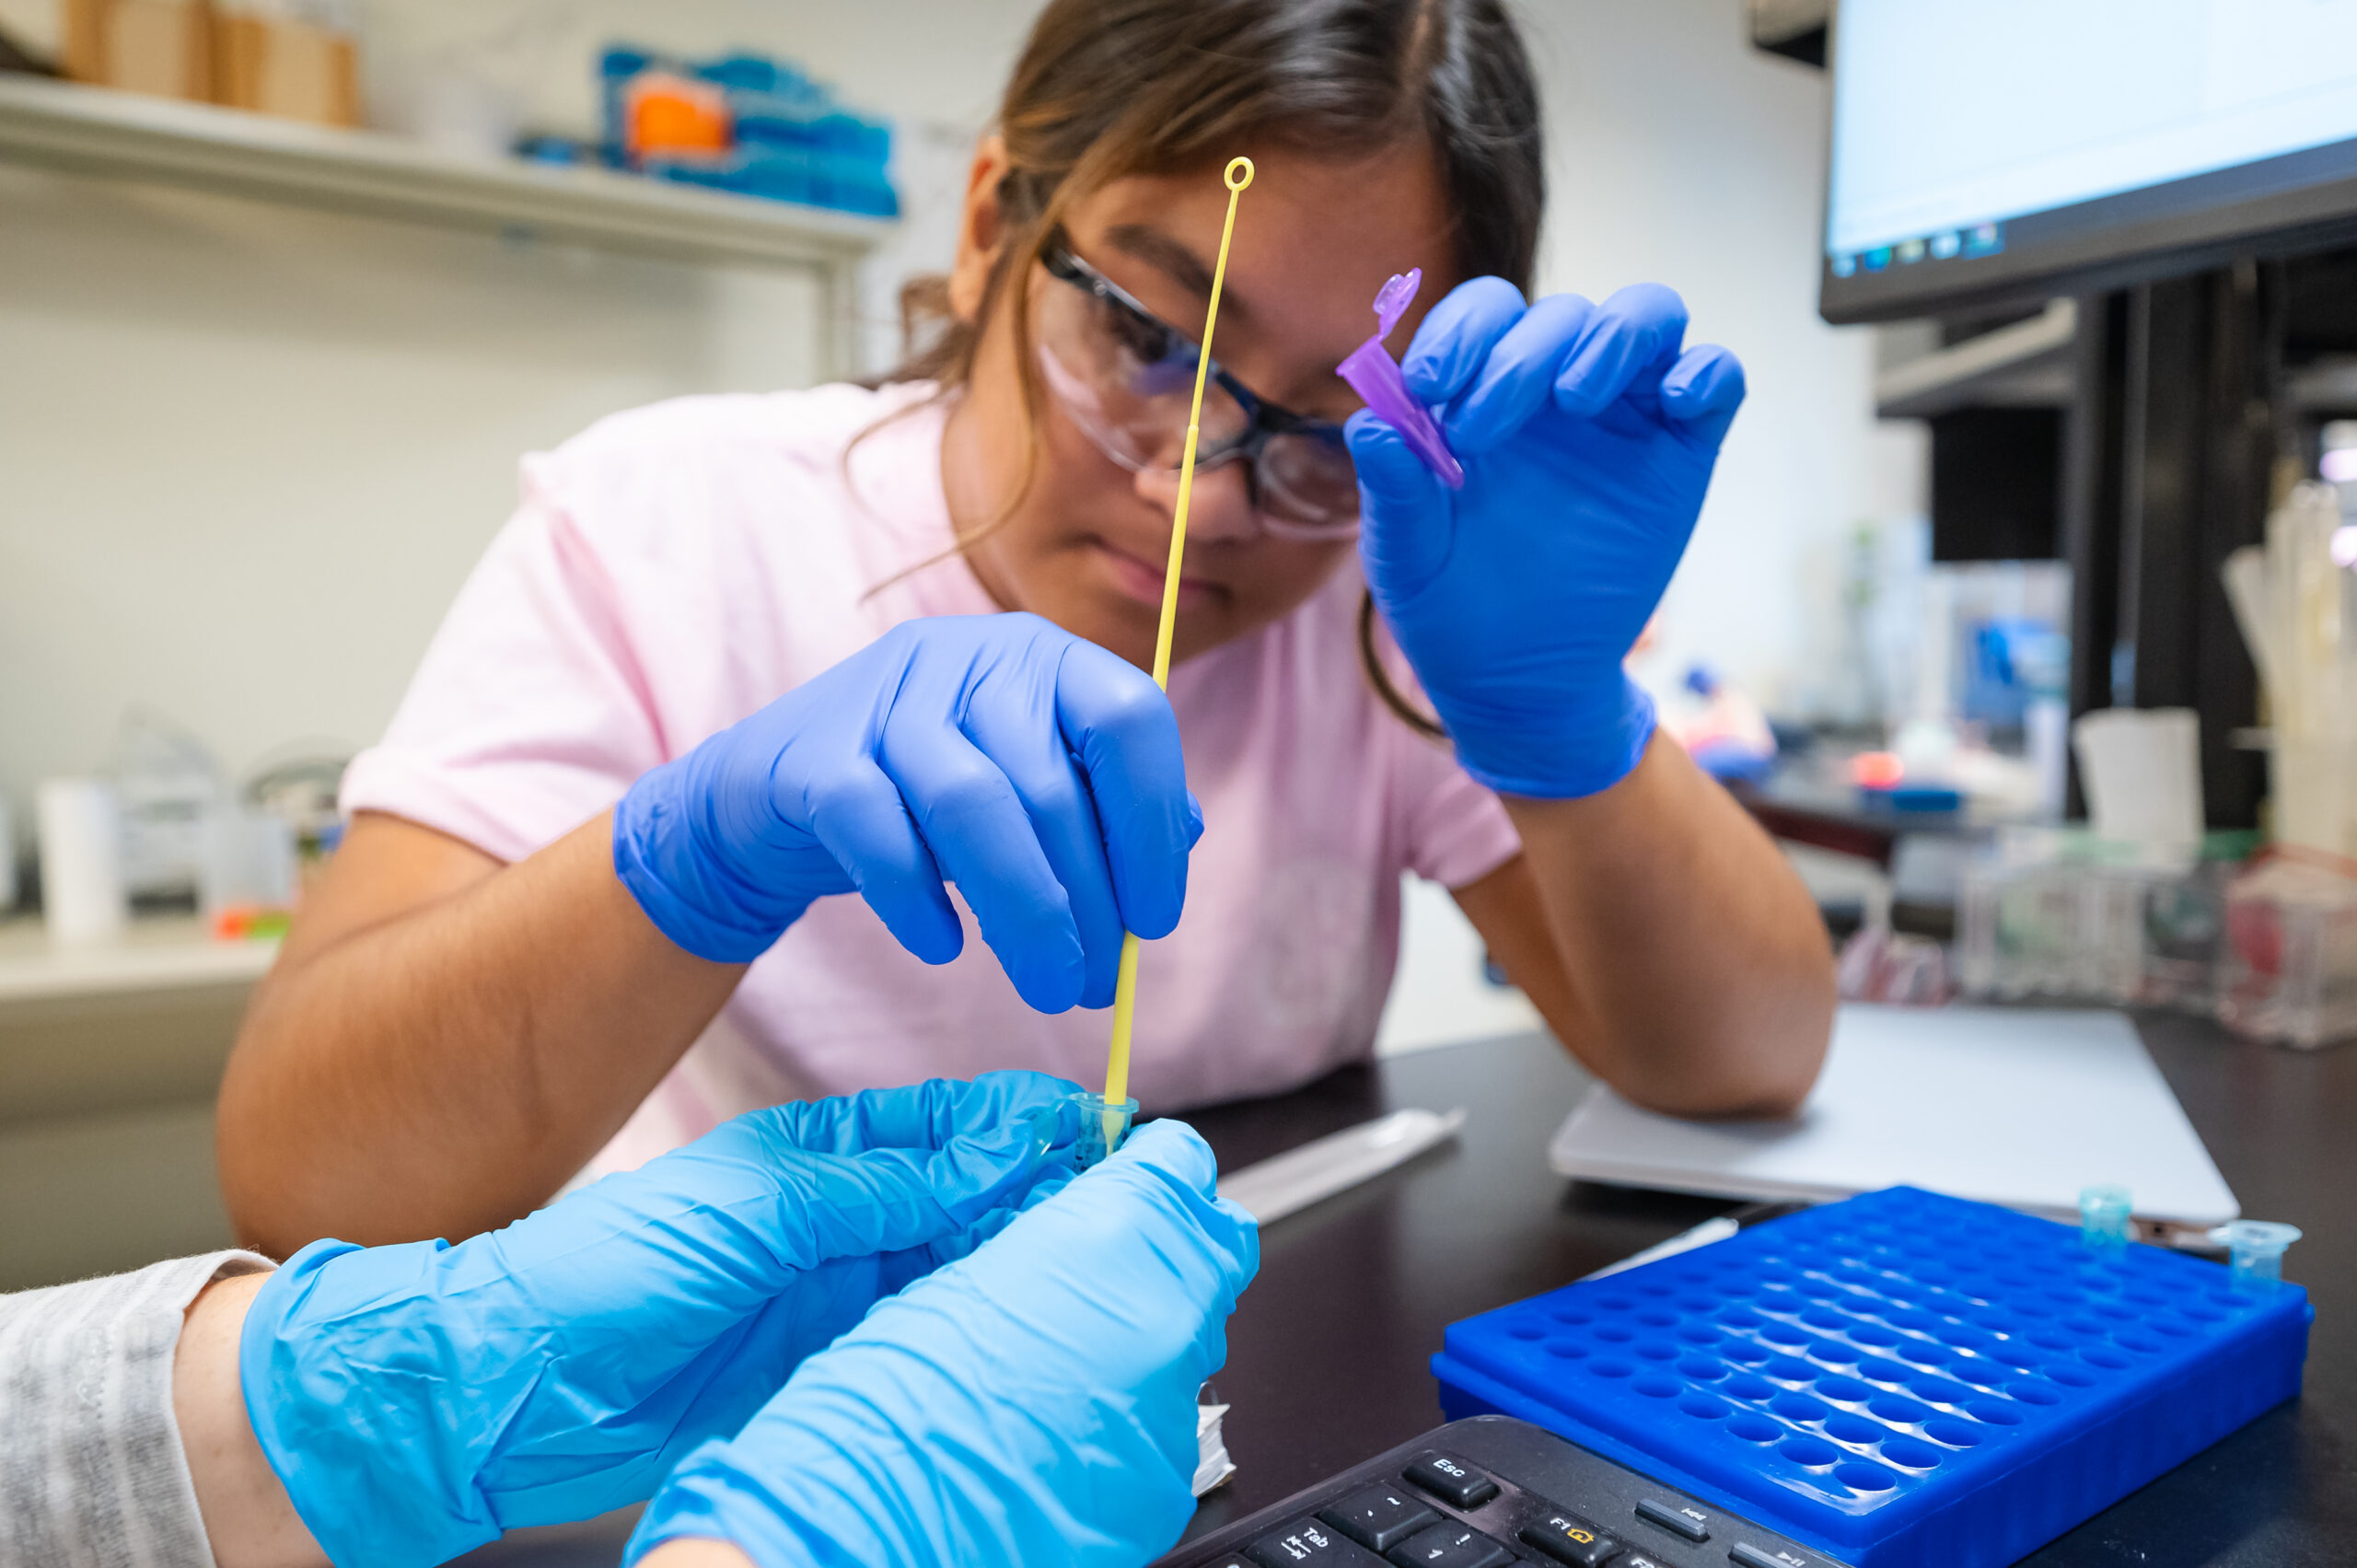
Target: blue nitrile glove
1030, 1406
1038, 772
1587, 439
419, 1400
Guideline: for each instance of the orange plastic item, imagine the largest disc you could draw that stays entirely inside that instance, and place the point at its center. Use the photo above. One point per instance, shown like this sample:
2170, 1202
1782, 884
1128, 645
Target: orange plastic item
250, 922
668, 115
1877, 769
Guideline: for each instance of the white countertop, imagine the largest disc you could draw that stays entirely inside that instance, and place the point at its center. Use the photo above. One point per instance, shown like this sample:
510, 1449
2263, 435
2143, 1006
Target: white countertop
164, 954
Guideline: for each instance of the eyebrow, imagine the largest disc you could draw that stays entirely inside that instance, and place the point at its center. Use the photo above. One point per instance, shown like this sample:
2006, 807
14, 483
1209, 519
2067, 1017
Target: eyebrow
1174, 259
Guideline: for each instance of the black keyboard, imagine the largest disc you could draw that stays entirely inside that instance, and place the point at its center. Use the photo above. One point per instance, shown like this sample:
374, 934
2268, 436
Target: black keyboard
1488, 1492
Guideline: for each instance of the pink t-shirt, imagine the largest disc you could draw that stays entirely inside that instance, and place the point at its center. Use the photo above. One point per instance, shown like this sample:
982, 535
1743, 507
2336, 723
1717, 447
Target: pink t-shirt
675, 568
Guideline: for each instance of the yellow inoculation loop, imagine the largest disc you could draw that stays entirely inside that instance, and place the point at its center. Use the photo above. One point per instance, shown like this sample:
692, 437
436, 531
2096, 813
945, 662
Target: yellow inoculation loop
1125, 990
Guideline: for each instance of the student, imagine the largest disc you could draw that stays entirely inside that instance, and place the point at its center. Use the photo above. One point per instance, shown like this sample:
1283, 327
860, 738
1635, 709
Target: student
990, 1363
738, 657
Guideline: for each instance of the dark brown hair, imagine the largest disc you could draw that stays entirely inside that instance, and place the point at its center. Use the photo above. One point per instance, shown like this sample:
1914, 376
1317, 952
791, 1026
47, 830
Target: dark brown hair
1107, 88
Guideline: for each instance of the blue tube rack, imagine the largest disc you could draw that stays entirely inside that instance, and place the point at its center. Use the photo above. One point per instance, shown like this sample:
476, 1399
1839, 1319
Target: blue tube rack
1902, 1380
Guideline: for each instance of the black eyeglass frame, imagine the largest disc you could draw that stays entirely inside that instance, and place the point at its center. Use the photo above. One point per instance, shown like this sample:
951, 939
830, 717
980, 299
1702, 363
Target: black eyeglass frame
1268, 419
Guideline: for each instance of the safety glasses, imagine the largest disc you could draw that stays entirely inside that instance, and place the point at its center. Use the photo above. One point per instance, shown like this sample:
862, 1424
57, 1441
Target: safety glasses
1127, 378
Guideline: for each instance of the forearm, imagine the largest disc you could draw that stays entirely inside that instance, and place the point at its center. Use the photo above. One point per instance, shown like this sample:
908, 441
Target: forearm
444, 1070
247, 1518
1700, 963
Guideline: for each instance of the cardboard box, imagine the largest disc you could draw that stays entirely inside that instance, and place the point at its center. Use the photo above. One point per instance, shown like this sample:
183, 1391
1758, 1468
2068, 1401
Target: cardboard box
149, 46
287, 67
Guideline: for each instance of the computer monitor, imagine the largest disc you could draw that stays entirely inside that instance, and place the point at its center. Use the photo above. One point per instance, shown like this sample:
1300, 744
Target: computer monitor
1991, 151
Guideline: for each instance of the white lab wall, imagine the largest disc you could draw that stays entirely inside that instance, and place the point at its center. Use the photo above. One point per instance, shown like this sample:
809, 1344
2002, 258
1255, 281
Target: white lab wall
1679, 154
247, 455
1439, 996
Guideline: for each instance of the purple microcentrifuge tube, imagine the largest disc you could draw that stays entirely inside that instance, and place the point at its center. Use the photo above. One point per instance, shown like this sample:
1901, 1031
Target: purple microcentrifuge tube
1374, 375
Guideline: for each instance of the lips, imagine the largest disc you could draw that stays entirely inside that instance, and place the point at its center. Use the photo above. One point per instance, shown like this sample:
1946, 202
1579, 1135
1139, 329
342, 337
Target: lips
1142, 581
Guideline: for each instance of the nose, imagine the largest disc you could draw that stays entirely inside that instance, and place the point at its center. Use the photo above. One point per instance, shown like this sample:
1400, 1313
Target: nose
1220, 506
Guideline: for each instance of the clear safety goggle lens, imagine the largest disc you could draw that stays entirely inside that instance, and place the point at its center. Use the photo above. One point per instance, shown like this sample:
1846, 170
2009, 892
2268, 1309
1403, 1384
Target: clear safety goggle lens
1135, 409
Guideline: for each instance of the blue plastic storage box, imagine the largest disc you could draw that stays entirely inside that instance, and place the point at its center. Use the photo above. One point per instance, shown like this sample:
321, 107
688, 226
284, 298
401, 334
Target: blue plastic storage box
1903, 1380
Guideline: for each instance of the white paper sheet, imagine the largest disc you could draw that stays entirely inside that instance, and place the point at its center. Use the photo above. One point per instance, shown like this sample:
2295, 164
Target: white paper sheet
2010, 1106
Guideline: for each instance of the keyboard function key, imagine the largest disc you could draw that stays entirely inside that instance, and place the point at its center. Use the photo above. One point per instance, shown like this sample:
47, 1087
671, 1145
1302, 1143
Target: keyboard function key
1743, 1554
1458, 1484
1568, 1538
1450, 1546
1379, 1517
1307, 1542
1692, 1523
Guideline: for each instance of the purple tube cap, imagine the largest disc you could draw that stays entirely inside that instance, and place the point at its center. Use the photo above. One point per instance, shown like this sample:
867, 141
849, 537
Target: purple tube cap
1374, 375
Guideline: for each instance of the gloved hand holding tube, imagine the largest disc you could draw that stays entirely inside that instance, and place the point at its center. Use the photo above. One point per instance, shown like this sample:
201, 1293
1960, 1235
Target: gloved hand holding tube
417, 1401
1037, 771
1587, 434
1030, 1406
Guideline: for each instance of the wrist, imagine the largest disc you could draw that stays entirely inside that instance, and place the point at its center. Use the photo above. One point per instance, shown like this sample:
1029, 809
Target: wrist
248, 1519
684, 884
372, 1459
712, 1500
697, 1552
1565, 751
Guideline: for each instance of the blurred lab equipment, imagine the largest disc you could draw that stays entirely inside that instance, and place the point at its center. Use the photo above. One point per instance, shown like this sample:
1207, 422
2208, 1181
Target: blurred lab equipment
177, 835
81, 861
301, 787
2070, 914
1878, 964
2142, 771
2288, 964
2295, 601
2127, 911
245, 871
7, 860
453, 107
165, 780
1721, 728
743, 122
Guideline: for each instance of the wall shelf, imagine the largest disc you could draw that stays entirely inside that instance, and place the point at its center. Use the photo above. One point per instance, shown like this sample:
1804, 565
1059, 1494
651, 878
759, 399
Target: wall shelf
118, 135
2026, 365
174, 954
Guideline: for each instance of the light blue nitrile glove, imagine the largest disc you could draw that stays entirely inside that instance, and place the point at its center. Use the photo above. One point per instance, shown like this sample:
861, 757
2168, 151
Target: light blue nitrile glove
1038, 772
1587, 436
420, 1400
1030, 1406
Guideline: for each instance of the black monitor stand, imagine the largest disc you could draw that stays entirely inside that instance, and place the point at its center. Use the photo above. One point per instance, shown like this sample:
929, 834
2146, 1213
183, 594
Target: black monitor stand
2180, 437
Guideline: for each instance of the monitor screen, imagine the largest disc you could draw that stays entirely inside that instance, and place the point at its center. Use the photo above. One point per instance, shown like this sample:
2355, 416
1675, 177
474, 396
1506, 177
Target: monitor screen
2013, 148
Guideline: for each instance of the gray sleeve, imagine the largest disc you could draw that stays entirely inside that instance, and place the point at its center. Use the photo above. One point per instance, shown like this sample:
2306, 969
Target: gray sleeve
91, 1470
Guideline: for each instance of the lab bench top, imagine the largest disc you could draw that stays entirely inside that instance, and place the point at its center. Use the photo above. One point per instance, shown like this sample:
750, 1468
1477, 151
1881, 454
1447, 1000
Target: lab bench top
142, 1022
168, 953
1328, 1351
